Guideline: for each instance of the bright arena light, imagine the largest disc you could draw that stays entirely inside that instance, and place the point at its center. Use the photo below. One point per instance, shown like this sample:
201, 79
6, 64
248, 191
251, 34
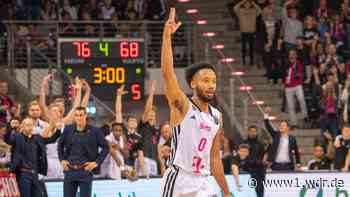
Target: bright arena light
209, 34
202, 22
191, 11
227, 60
218, 46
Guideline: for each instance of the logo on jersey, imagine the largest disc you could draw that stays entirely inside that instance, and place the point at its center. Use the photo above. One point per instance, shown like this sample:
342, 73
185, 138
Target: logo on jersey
193, 117
203, 126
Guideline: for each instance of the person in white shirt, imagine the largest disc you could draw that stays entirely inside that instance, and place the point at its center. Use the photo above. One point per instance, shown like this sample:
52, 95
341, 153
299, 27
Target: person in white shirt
113, 166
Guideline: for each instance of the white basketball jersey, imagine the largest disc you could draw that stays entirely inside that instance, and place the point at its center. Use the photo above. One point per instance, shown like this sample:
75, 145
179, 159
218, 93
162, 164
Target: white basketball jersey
192, 140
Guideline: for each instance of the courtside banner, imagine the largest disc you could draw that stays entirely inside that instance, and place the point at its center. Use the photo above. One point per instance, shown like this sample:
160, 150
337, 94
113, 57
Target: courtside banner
143, 188
8, 185
325, 184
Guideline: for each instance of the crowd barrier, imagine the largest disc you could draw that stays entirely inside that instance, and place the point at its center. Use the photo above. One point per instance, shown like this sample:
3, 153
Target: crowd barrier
309, 184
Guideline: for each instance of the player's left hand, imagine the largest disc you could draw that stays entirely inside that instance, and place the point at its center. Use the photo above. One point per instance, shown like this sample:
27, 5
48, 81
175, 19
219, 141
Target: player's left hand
89, 166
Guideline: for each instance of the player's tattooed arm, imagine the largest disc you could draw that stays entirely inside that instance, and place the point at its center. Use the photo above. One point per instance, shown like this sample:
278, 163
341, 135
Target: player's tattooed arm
177, 99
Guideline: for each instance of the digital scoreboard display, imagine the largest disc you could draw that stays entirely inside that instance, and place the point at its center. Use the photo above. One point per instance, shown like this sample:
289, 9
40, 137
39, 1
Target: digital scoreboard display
106, 65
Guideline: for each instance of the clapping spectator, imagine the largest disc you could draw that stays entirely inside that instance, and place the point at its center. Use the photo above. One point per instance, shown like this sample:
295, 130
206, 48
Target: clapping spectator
330, 106
247, 11
7, 105
345, 100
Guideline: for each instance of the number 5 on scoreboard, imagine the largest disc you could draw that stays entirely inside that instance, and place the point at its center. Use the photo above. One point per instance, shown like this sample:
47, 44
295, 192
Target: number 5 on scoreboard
104, 47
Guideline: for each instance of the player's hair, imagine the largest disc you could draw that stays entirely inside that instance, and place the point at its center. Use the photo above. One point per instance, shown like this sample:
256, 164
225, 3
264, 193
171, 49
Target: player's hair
115, 124
241, 146
252, 127
81, 108
285, 121
33, 103
132, 117
194, 68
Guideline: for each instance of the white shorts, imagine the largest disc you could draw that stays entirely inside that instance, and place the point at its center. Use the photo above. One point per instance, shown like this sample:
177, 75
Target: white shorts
178, 183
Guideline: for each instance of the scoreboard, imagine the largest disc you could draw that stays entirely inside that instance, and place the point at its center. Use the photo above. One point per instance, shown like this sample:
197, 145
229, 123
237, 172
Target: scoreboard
106, 65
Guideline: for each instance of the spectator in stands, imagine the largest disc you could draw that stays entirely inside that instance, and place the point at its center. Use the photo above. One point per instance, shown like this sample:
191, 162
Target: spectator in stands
342, 153
5, 149
67, 29
304, 58
345, 100
150, 133
309, 31
294, 86
165, 134
114, 164
49, 11
133, 138
323, 10
156, 9
7, 105
337, 30
330, 106
247, 12
273, 59
227, 154
33, 8
322, 161
283, 153
164, 156
107, 10
242, 163
141, 7
69, 9
345, 15
332, 59
272, 15
164, 147
292, 26
322, 28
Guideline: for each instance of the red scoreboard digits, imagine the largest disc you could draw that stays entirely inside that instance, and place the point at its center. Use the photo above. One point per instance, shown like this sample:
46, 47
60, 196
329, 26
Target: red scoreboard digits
129, 49
82, 49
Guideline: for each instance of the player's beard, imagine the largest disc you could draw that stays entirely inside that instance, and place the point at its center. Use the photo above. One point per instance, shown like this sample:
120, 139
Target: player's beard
201, 95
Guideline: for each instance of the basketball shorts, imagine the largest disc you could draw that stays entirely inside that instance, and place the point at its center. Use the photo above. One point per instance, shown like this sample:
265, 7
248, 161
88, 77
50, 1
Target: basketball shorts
179, 183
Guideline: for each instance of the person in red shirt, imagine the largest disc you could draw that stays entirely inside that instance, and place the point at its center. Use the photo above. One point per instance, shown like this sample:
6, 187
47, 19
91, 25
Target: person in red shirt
7, 105
294, 86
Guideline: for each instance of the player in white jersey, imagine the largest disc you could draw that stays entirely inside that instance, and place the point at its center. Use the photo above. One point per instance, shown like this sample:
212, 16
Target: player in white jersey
195, 151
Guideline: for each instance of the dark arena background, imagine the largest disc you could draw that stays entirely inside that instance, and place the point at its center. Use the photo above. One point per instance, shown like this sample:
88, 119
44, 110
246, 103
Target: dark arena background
283, 79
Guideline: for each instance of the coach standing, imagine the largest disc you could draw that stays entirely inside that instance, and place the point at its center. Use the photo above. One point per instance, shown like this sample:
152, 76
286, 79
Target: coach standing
29, 156
80, 156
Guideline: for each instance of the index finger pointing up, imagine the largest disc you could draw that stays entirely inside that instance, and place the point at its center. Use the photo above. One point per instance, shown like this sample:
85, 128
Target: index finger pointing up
172, 15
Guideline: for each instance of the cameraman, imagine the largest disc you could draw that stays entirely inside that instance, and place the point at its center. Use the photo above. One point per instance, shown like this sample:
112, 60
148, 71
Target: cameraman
342, 153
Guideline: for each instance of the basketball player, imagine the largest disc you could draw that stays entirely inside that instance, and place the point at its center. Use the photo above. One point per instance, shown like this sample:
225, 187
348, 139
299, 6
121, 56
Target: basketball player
196, 127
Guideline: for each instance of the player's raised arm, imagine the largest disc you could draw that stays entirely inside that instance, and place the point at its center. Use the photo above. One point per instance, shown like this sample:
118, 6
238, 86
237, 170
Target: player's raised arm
177, 99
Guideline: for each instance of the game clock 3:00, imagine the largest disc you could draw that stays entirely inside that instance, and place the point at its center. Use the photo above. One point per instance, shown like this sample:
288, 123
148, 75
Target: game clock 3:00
105, 64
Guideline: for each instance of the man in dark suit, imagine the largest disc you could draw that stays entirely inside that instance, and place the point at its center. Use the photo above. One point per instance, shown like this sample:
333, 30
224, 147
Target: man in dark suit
78, 151
29, 157
283, 153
